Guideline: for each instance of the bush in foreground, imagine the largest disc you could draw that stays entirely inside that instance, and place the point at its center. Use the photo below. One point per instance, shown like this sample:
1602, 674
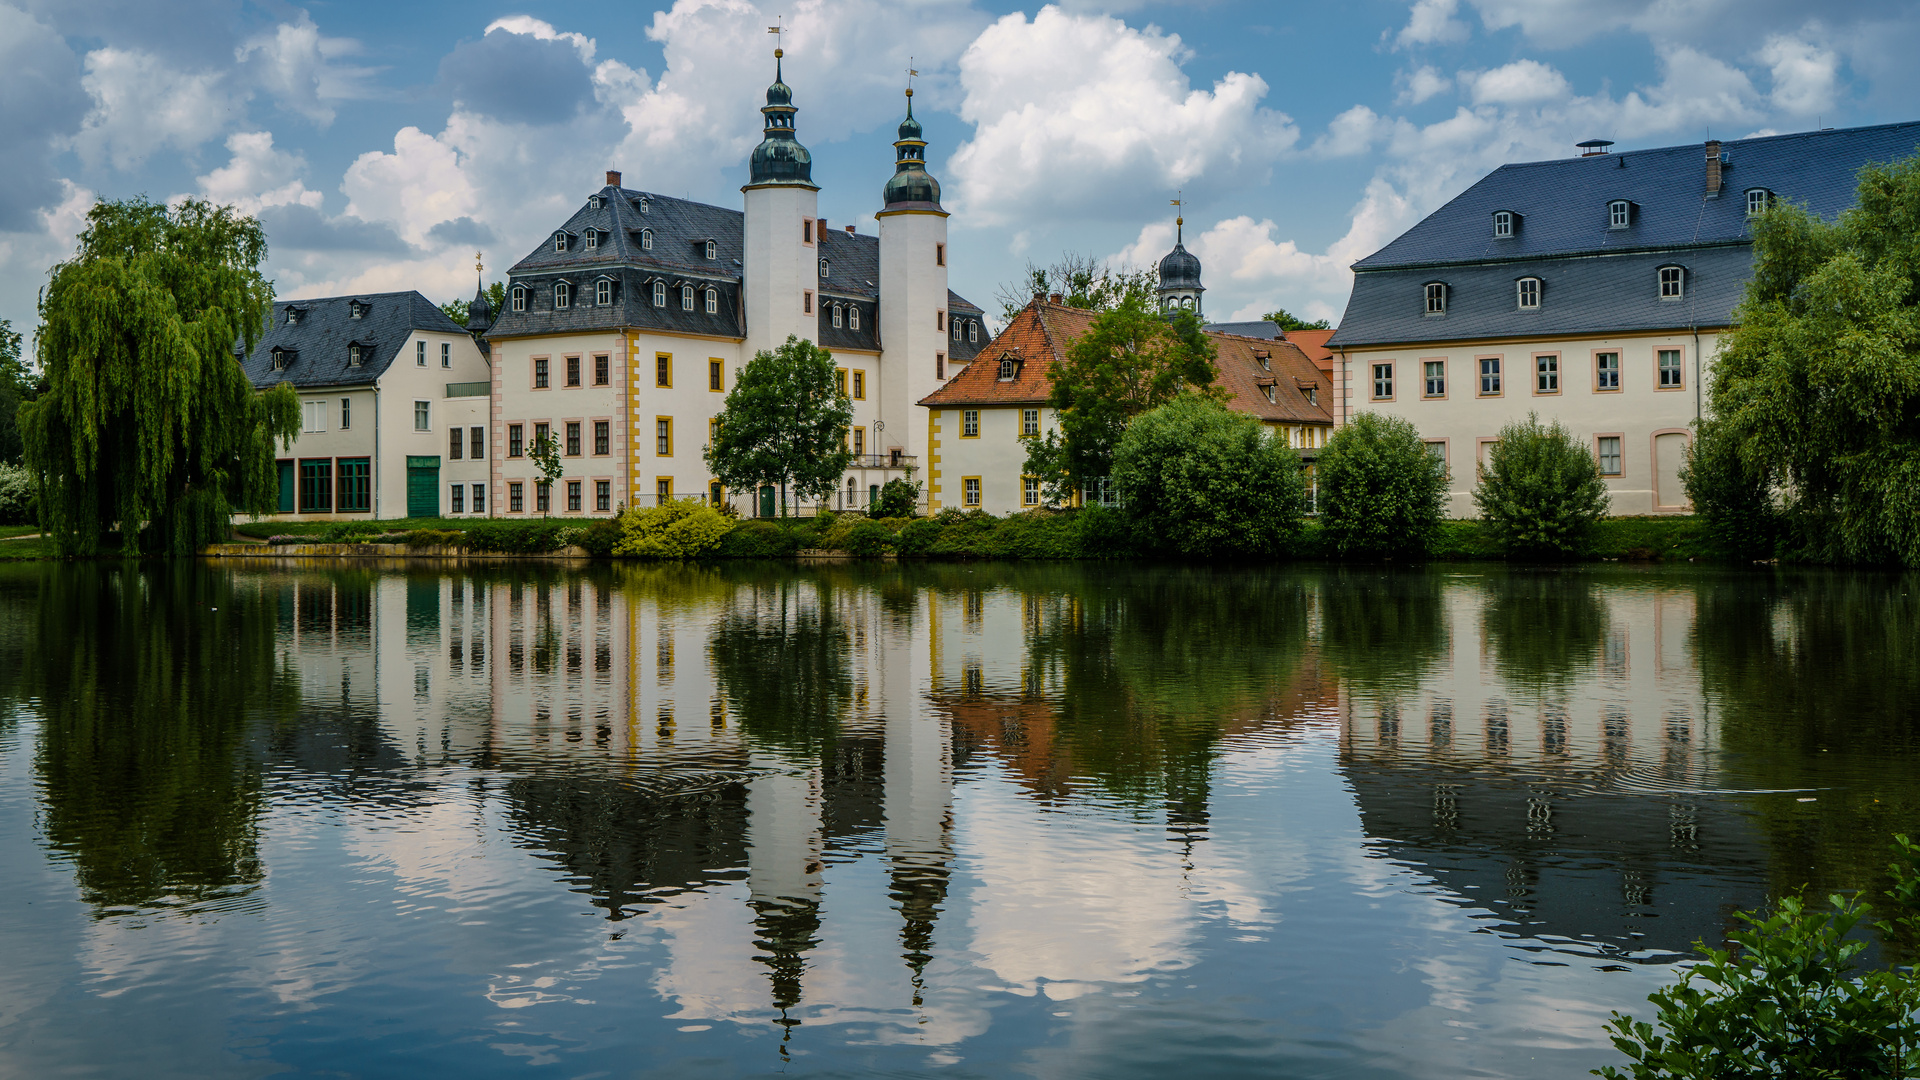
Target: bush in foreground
1541, 491
680, 529
898, 498
1734, 500
1382, 492
1201, 480
18, 502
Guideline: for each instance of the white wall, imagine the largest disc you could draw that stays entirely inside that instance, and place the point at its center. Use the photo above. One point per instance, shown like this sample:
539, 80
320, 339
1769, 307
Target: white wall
998, 456
913, 290
781, 266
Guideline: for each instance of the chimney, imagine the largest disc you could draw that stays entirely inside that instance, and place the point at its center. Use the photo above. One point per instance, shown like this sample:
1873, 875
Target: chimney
1054, 298
1713, 167
849, 230
613, 178
821, 224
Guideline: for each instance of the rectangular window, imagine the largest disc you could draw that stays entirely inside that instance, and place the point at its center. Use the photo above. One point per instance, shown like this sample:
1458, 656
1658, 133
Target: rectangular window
316, 486
1529, 292
1029, 491
477, 443
1606, 371
573, 496
603, 292
602, 437
1436, 299
479, 498
970, 490
970, 424
542, 497
423, 416
573, 438
446, 355
1489, 376
1437, 449
1382, 382
1029, 423
939, 320
516, 497
1669, 370
663, 489
939, 254
806, 302
1619, 214
713, 431
663, 436
716, 375
458, 503
457, 444
806, 230
602, 374
1436, 373
1608, 447
1546, 374
419, 354
540, 373
346, 413
859, 386
540, 434
939, 365
514, 448
603, 495
853, 316
313, 416
356, 486
663, 370
859, 441
840, 381
573, 371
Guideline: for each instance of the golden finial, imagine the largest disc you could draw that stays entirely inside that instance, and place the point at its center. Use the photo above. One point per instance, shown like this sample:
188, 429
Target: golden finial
777, 31
478, 266
1179, 222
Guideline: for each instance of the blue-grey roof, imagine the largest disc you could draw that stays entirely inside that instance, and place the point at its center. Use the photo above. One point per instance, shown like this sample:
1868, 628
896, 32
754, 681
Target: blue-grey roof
1563, 203
1264, 329
1596, 278
319, 342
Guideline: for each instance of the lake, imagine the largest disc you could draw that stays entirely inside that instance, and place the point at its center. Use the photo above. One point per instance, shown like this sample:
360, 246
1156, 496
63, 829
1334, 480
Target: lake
902, 820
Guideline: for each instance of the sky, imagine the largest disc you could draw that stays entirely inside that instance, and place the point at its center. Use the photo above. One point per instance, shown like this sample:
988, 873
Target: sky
383, 144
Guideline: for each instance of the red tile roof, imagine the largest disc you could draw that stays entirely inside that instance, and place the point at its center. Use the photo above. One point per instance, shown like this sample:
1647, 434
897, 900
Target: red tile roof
1314, 344
1042, 331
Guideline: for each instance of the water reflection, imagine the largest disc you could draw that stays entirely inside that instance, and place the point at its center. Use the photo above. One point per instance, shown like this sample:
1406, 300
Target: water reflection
905, 817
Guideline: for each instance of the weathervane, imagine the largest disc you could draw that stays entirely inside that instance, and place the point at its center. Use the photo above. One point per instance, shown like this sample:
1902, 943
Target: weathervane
1179, 221
776, 31
910, 76
478, 266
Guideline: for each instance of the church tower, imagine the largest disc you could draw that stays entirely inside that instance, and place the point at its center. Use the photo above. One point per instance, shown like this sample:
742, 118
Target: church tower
1180, 273
782, 252
914, 331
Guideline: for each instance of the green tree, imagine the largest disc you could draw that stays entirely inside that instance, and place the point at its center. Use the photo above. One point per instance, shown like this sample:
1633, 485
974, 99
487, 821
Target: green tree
496, 297
898, 498
1082, 281
1818, 386
784, 423
1734, 497
1382, 491
545, 452
1131, 360
1540, 492
147, 422
1201, 479
1286, 320
16, 388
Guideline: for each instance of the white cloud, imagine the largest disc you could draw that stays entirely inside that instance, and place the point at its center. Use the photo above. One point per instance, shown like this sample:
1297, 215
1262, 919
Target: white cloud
1352, 132
535, 28
420, 184
142, 103
1523, 82
290, 63
1805, 76
1420, 85
258, 176
1431, 22
1073, 110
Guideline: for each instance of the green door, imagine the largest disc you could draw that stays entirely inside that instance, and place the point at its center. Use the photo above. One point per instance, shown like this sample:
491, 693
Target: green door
286, 487
766, 501
423, 486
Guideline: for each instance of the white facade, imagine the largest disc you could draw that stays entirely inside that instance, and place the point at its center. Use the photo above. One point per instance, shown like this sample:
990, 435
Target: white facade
783, 286
985, 470
913, 321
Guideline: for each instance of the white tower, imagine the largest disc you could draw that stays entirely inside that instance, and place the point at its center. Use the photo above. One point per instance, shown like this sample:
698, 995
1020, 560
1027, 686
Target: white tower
782, 258
913, 293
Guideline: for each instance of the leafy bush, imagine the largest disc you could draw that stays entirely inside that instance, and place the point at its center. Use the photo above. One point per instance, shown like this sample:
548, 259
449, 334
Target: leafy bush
599, 538
1202, 480
1541, 492
1102, 532
19, 503
917, 537
350, 532
898, 498
515, 537
868, 539
680, 529
1734, 500
421, 538
1382, 492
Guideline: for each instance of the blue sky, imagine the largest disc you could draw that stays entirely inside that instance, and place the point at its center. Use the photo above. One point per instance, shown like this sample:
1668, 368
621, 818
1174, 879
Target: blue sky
383, 144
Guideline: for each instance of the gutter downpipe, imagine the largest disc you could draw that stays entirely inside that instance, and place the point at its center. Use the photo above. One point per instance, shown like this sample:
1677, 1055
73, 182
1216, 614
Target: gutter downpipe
377, 460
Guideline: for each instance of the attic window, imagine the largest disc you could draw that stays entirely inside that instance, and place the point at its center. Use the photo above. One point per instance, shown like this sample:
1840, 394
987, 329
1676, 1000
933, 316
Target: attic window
973, 330
1673, 282
1503, 223
593, 239
1268, 391
853, 316
1527, 293
686, 298
713, 250
293, 316
713, 301
1436, 298
1313, 394
281, 358
1758, 199
1265, 358
562, 295
645, 204
519, 298
560, 241
1619, 214
603, 292
836, 315
646, 239
824, 270
355, 309
353, 354
1006, 370
659, 294
593, 202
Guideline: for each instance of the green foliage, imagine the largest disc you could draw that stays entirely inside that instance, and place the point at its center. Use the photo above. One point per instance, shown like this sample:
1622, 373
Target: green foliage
681, 529
496, 298
18, 498
758, 538
1381, 491
1541, 491
425, 538
1082, 281
1202, 480
545, 454
1787, 1004
17, 386
1132, 360
898, 498
1102, 532
868, 539
147, 423
784, 423
1818, 389
516, 537
1734, 498
1286, 320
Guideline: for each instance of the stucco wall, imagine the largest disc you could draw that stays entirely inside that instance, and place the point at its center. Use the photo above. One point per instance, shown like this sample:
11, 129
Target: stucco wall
997, 456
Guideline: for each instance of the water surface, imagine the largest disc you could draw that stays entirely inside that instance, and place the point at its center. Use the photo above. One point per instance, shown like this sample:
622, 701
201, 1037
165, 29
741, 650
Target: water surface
959, 821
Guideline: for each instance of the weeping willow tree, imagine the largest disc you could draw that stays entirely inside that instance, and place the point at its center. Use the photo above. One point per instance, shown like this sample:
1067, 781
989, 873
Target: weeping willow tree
148, 423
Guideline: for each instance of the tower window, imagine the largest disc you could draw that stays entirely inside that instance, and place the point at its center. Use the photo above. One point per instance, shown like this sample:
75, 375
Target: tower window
1436, 298
713, 301
646, 237
939, 254
1528, 293
686, 298
1619, 214
659, 294
1672, 282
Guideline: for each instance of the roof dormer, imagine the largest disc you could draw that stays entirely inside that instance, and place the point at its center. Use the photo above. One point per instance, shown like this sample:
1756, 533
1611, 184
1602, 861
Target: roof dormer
1506, 224
357, 309
1622, 213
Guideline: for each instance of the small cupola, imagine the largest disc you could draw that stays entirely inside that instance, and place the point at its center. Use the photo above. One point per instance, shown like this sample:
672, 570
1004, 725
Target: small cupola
910, 186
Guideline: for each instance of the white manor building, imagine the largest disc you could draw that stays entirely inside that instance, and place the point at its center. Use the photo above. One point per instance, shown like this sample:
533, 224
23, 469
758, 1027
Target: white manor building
624, 329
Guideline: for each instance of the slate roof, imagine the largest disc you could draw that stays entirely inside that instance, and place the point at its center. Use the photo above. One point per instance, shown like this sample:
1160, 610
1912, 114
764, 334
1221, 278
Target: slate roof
326, 328
1597, 278
1042, 331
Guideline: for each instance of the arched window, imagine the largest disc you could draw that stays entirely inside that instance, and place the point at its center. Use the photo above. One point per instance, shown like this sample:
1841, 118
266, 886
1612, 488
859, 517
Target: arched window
1527, 293
560, 241
713, 250
824, 269
973, 330
562, 295
1503, 222
659, 294
646, 237
519, 298
836, 315
353, 355
853, 317
713, 301
1006, 371
686, 298
1673, 282
593, 239
603, 292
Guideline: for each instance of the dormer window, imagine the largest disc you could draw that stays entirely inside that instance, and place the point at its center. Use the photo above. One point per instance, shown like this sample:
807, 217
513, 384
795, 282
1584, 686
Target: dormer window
824, 270
280, 358
1505, 224
973, 330
659, 294
353, 354
686, 298
355, 309
853, 316
1007, 368
713, 301
293, 316
1758, 199
1619, 214
1673, 282
646, 205
836, 315
1267, 390
562, 295
593, 202
1265, 359
713, 250
1313, 395
560, 241
519, 298
593, 239
1527, 293
1436, 298
646, 239
603, 292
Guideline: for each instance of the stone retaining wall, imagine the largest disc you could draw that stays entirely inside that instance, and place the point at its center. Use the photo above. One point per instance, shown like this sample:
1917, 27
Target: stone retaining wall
376, 551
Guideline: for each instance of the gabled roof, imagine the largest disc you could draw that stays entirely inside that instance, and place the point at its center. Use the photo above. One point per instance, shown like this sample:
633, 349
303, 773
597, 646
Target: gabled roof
1042, 332
1563, 203
325, 330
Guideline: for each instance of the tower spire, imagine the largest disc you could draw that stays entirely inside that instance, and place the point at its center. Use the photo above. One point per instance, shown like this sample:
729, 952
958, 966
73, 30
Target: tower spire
779, 159
910, 187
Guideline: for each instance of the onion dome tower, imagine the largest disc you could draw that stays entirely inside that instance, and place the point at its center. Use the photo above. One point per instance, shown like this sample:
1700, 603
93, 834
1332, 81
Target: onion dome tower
480, 311
910, 187
1180, 273
780, 159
